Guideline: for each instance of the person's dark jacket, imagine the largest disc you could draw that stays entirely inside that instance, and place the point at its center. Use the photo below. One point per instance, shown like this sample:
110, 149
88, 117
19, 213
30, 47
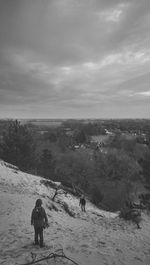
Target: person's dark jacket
82, 201
39, 217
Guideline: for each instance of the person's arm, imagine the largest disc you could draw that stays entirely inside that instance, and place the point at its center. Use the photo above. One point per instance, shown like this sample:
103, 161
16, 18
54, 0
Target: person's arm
32, 217
45, 216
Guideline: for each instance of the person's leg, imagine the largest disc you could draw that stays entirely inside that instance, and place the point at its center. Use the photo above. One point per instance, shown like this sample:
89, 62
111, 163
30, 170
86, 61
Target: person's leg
41, 236
36, 236
84, 207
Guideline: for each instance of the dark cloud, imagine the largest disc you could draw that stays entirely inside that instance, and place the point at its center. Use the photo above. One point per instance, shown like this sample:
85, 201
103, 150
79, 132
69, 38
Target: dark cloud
71, 54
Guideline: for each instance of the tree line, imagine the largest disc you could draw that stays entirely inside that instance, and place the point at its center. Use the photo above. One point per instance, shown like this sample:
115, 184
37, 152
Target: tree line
107, 176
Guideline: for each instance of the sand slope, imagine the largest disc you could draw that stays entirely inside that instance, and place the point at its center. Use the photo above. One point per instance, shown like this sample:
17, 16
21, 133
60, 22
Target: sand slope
95, 237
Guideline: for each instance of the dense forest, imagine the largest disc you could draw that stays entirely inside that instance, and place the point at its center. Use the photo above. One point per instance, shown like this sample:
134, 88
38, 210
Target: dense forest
107, 160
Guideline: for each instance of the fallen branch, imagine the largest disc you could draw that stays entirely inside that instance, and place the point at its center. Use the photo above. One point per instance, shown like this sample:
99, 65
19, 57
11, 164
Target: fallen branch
58, 191
50, 256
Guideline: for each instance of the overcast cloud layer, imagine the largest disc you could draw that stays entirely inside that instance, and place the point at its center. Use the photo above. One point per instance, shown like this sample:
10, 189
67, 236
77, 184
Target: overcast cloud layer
75, 58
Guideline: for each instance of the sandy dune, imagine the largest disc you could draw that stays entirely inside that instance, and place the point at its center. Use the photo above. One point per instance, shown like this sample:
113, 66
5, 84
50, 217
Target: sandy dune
95, 237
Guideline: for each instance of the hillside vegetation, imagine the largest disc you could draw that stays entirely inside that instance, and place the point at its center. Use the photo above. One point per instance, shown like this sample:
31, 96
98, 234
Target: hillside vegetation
108, 171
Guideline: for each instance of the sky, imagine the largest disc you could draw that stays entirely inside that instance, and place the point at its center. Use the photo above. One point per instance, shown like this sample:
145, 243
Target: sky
74, 59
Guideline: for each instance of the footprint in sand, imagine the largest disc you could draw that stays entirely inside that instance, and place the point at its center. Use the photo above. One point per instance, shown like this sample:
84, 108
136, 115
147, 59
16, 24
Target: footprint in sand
71, 248
84, 248
101, 244
137, 258
3, 239
118, 250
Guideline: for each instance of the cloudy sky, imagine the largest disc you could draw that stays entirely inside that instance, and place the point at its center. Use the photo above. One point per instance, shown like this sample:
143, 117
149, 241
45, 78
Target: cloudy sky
75, 58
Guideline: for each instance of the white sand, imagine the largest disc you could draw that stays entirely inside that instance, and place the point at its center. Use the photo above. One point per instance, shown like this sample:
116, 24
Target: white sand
95, 237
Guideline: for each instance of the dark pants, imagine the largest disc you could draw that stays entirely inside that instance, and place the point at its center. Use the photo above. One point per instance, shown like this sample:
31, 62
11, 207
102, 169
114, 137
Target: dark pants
38, 234
83, 207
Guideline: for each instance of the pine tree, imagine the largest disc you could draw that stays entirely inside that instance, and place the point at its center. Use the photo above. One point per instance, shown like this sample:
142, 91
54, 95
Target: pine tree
46, 164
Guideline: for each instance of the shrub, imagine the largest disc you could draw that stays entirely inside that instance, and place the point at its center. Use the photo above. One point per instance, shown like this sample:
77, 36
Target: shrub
131, 214
96, 195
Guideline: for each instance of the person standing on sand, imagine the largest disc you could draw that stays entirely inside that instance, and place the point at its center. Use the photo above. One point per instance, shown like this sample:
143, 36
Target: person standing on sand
82, 203
39, 221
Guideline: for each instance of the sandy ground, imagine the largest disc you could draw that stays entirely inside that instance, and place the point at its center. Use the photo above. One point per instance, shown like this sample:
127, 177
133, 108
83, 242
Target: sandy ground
93, 238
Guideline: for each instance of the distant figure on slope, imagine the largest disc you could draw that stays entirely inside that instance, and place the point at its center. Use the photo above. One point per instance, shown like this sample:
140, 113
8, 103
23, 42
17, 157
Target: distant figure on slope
39, 221
82, 203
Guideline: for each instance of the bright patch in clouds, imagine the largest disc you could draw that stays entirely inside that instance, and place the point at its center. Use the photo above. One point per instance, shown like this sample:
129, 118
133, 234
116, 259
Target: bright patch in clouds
144, 93
114, 14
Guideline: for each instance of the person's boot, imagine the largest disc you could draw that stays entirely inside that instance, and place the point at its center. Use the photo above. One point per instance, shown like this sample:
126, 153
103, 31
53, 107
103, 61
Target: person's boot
41, 244
36, 243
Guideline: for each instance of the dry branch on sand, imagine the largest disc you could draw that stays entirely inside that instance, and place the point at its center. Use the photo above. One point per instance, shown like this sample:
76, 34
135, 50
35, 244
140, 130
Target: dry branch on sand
53, 255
